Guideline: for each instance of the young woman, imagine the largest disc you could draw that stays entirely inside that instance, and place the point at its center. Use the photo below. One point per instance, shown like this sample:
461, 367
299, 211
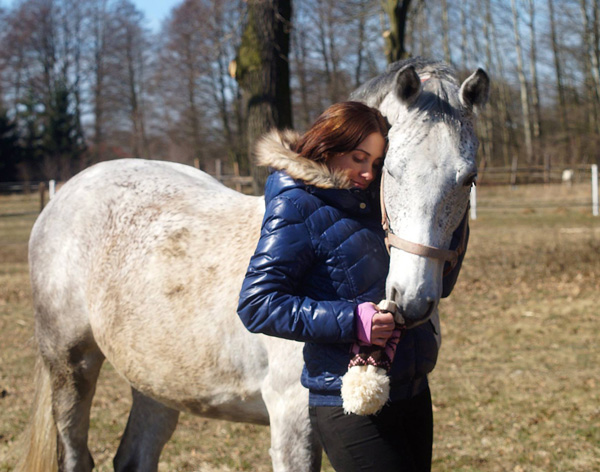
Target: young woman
319, 267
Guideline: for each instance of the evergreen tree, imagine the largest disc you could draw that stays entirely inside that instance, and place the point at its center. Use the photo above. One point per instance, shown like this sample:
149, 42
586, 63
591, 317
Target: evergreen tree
30, 123
62, 140
10, 151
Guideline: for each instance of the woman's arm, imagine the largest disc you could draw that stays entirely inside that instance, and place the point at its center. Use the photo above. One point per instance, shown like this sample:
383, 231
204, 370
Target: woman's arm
271, 301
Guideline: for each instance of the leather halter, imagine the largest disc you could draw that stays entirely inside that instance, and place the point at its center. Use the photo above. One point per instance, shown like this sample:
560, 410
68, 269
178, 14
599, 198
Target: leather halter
391, 240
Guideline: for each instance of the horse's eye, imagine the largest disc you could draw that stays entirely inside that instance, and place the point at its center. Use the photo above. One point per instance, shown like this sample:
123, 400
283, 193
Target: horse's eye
470, 180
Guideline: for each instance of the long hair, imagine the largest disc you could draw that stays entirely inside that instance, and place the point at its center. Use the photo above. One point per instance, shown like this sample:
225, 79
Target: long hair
339, 130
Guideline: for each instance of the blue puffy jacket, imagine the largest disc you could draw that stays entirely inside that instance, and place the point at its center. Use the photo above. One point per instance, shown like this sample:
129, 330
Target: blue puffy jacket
320, 254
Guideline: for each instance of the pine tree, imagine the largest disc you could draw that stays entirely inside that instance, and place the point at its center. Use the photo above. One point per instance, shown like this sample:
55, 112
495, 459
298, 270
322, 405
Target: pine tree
62, 140
10, 151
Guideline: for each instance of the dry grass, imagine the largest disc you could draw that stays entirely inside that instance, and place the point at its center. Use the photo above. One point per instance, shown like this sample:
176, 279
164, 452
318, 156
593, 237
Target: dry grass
516, 387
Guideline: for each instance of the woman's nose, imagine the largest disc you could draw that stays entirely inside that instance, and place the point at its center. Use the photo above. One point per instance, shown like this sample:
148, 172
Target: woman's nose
367, 174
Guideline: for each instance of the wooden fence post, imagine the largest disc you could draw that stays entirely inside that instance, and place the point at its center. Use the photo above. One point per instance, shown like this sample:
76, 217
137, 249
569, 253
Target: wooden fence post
218, 170
42, 190
595, 189
236, 172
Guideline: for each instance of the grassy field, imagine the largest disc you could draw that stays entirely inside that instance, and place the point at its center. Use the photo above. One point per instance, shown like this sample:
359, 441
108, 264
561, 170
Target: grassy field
517, 386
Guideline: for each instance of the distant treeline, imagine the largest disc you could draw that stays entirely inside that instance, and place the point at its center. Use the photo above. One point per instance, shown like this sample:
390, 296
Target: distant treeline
83, 81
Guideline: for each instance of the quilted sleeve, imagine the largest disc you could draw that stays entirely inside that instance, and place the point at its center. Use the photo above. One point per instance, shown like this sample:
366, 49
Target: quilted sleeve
270, 299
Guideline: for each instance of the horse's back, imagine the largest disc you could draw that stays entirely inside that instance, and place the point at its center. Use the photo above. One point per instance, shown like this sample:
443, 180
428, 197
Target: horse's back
148, 258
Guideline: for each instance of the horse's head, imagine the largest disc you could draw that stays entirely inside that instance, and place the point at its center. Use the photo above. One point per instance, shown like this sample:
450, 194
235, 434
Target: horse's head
429, 169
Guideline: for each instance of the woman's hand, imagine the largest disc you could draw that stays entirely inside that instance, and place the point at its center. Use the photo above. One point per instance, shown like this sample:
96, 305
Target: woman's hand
382, 328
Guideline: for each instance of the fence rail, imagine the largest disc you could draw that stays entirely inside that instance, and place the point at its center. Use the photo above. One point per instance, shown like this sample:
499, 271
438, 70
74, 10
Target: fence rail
7, 188
238, 182
533, 175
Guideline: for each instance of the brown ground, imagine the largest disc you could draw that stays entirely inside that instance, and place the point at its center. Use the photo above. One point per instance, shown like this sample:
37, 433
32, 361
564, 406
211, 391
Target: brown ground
517, 387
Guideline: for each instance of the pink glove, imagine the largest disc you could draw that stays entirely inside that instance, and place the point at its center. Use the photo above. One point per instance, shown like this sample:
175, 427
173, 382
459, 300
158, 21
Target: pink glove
364, 319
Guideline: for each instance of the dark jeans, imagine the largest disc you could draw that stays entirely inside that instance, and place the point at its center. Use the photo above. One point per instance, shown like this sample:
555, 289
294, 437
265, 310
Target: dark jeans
399, 438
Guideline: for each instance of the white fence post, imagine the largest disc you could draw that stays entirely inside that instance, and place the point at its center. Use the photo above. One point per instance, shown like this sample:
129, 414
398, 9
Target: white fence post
595, 189
473, 200
51, 189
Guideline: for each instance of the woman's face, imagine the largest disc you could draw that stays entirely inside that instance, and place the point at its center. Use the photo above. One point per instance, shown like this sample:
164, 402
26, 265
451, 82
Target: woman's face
364, 163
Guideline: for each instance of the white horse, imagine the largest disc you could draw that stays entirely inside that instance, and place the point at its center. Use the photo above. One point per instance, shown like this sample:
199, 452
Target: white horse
140, 263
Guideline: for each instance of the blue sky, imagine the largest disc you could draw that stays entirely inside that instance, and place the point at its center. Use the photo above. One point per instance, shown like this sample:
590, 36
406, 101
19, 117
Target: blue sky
155, 10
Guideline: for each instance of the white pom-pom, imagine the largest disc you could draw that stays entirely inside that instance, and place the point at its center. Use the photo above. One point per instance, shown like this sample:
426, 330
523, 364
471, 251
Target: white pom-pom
365, 389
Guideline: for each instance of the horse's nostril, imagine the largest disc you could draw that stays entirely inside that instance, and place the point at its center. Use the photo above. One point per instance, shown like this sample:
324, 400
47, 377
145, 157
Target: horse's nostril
418, 311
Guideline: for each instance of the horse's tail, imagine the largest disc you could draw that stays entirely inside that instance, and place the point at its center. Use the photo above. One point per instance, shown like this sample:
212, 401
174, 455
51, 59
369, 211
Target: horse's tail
38, 443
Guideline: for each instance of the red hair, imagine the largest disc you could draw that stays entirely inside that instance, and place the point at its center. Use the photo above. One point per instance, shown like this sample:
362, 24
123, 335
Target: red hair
339, 130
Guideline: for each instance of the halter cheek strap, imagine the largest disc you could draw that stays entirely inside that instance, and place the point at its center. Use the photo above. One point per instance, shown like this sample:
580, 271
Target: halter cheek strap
391, 240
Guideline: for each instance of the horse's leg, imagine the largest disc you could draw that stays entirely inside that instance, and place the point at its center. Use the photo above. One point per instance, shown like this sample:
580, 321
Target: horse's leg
294, 445
149, 427
73, 375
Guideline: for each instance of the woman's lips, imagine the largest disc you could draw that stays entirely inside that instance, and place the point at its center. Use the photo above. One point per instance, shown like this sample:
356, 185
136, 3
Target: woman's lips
359, 184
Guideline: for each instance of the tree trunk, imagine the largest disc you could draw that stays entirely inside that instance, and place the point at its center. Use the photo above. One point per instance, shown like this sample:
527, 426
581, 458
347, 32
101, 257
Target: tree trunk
134, 111
535, 91
220, 91
463, 33
397, 11
263, 73
523, 86
301, 56
98, 66
487, 125
591, 63
596, 60
327, 41
446, 32
504, 97
562, 104
361, 44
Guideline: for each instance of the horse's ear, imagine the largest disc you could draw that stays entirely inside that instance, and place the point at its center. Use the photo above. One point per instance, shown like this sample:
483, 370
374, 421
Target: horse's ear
475, 90
408, 85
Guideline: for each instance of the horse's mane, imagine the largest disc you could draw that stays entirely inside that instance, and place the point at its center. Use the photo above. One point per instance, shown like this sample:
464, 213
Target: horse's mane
438, 99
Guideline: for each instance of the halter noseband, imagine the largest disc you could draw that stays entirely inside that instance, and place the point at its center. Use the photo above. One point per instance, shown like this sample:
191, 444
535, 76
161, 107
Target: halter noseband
447, 255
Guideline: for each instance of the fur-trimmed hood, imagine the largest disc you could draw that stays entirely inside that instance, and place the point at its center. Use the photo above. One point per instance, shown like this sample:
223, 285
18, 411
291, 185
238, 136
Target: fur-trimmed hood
275, 150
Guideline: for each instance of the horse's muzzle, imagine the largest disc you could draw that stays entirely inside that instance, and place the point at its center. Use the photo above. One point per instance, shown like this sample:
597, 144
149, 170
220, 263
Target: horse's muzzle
414, 312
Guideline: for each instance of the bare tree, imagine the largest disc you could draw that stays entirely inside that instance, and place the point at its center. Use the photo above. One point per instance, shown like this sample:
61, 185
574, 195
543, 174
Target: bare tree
263, 72
463, 32
98, 27
225, 41
535, 90
170, 95
446, 32
397, 12
184, 68
131, 44
300, 58
487, 125
509, 149
558, 69
523, 86
591, 62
